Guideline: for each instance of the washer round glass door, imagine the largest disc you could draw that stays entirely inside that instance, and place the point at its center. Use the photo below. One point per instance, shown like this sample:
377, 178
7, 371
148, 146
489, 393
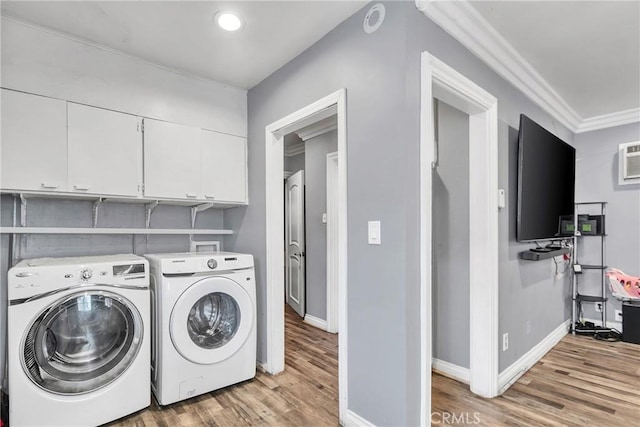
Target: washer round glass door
82, 342
211, 320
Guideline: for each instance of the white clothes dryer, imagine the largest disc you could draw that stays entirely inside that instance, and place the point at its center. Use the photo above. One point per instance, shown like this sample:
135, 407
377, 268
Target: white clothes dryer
204, 320
78, 340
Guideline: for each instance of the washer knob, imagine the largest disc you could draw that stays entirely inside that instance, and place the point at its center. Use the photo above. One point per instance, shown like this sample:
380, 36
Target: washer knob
86, 274
212, 263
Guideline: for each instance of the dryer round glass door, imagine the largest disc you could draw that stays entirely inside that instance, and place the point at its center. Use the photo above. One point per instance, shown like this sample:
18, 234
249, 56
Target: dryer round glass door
82, 342
211, 320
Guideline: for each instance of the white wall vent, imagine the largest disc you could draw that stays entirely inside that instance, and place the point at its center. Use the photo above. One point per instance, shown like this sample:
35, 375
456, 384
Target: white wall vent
629, 154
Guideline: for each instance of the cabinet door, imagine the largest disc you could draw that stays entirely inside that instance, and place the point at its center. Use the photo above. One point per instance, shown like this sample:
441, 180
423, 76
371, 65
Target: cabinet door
224, 167
171, 160
105, 151
33, 153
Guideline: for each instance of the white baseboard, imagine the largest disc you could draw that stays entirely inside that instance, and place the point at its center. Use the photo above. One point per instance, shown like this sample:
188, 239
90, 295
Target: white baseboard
530, 358
450, 370
609, 323
351, 419
261, 366
315, 321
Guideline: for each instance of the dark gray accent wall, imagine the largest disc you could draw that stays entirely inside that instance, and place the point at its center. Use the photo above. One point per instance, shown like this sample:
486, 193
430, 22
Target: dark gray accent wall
74, 213
597, 180
381, 73
316, 150
450, 268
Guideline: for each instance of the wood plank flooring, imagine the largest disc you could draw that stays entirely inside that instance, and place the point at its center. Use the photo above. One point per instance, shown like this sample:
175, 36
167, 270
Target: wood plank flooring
305, 394
581, 382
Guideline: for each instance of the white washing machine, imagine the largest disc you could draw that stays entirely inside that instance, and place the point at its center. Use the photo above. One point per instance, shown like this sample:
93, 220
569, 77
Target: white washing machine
78, 339
204, 323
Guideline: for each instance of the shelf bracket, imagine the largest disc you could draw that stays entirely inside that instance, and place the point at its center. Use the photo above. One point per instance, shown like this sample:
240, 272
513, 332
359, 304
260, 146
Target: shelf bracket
23, 210
149, 207
196, 209
95, 211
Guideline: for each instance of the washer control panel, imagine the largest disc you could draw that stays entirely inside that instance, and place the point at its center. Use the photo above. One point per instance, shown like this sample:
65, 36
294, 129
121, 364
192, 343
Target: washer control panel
212, 263
86, 273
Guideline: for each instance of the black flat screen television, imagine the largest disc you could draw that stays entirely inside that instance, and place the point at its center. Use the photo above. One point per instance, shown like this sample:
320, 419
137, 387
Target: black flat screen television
546, 181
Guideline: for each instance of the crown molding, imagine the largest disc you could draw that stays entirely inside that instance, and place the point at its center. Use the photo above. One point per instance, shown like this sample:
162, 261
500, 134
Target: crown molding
609, 120
319, 128
464, 23
294, 149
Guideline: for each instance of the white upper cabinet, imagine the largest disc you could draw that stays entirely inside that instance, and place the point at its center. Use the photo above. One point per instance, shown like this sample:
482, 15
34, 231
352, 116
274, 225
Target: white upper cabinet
105, 151
33, 153
171, 161
224, 167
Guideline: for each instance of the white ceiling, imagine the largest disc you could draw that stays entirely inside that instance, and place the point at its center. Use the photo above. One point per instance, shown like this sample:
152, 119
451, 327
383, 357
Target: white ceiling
181, 34
588, 51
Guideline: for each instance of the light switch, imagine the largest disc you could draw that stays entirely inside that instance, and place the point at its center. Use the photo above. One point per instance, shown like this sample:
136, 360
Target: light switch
374, 233
324, 218
502, 200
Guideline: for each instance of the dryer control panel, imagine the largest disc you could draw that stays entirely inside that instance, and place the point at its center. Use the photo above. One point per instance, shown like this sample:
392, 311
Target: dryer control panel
193, 263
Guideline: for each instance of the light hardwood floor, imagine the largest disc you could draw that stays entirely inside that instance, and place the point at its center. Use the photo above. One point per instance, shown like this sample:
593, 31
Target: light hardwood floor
581, 382
305, 394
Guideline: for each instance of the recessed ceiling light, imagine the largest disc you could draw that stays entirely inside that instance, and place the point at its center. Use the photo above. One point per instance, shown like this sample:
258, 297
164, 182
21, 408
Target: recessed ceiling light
228, 21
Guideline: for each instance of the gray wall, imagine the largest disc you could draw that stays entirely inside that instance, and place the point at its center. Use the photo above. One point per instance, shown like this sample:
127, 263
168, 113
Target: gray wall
294, 164
381, 72
597, 180
316, 150
69, 213
451, 238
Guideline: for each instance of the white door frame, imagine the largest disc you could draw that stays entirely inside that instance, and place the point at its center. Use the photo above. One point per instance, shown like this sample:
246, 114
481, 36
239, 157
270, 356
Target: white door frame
440, 81
332, 243
274, 204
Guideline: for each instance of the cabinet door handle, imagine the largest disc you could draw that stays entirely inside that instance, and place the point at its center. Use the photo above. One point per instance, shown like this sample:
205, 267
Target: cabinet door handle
50, 186
191, 195
209, 196
81, 187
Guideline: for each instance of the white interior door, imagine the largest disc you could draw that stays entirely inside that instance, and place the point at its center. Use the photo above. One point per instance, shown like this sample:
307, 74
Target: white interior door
295, 242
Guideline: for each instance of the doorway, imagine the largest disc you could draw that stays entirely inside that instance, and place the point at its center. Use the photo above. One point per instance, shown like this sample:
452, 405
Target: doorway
309, 185
442, 82
333, 104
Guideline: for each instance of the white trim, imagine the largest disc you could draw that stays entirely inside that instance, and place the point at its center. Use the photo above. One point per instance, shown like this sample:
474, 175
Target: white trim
316, 322
332, 243
441, 81
274, 198
614, 324
319, 128
351, 419
609, 120
260, 366
450, 370
464, 23
530, 358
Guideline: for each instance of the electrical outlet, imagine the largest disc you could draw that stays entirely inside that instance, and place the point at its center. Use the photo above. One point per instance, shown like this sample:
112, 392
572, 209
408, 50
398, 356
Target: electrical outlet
618, 315
505, 341
599, 307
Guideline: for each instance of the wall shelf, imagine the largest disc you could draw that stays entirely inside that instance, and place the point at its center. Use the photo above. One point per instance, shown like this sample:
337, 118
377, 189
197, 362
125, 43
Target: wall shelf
77, 230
